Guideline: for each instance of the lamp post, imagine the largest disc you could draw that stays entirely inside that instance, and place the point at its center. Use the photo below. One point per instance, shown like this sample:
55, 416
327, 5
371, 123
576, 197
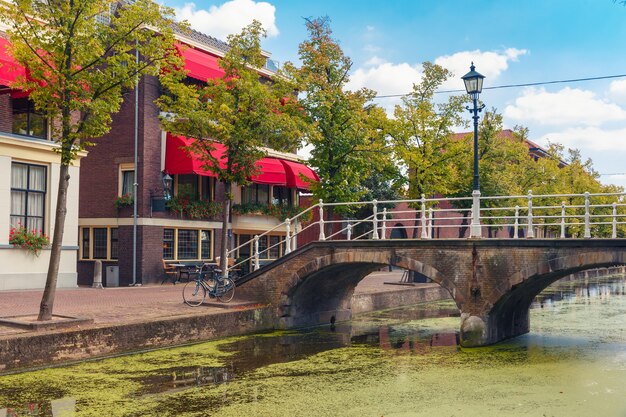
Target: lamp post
474, 85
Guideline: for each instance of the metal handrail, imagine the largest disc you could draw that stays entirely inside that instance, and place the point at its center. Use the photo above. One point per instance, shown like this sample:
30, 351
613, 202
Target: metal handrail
425, 221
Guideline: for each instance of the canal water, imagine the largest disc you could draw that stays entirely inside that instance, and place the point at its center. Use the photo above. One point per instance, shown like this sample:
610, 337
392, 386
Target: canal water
403, 362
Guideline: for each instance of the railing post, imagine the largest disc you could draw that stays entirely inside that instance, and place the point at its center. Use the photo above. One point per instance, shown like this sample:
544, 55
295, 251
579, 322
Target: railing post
349, 235
321, 222
587, 217
423, 218
614, 231
562, 219
516, 226
384, 227
530, 233
430, 223
476, 229
375, 220
288, 236
257, 264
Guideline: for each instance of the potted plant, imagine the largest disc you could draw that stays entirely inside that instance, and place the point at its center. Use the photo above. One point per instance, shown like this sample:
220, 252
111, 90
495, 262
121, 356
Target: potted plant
31, 240
125, 200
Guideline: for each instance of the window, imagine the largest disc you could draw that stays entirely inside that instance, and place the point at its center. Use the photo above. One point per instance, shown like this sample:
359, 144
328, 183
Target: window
114, 244
27, 121
168, 243
85, 243
128, 181
194, 187
188, 186
187, 244
99, 243
28, 195
270, 247
207, 187
255, 193
281, 196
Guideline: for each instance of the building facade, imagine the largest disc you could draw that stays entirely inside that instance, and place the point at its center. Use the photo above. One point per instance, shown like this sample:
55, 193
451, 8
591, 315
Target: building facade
179, 219
29, 178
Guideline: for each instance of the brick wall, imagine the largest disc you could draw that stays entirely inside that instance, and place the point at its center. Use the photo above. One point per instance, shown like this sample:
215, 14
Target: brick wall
6, 113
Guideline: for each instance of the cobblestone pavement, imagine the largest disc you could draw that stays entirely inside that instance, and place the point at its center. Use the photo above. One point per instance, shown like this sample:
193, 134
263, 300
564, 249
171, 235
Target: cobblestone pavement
130, 304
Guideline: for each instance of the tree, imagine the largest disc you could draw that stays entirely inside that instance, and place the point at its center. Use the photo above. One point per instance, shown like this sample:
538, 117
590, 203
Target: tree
421, 135
240, 111
78, 67
348, 133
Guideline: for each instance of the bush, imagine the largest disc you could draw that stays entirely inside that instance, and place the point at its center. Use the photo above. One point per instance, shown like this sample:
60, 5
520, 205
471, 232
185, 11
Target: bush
30, 240
193, 209
280, 211
123, 201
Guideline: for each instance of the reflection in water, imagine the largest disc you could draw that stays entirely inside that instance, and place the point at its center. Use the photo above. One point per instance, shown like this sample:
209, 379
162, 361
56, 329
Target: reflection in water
397, 362
62, 407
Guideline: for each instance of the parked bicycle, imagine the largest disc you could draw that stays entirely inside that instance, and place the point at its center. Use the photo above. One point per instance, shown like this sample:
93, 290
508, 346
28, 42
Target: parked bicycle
208, 282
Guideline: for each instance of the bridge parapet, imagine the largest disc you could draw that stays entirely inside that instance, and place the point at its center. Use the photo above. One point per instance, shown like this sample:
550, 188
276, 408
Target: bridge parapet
563, 216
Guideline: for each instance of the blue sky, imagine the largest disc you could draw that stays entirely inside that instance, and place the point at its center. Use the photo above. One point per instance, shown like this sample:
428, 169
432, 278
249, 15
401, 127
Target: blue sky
510, 42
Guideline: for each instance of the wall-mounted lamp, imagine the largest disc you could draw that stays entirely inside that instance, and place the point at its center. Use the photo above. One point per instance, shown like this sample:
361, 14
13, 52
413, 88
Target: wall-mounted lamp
167, 186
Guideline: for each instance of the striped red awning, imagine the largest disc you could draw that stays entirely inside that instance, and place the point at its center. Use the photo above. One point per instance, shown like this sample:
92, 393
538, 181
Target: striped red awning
10, 70
272, 171
299, 175
179, 161
200, 65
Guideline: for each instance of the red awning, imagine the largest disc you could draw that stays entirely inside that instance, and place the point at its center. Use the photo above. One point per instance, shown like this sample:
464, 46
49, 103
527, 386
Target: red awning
200, 65
272, 171
9, 68
296, 174
179, 161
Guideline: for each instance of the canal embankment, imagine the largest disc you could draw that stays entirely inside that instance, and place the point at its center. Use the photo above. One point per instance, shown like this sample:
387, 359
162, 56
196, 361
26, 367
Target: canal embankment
130, 319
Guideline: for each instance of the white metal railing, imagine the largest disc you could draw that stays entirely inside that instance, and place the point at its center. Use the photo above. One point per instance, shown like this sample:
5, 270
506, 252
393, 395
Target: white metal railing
528, 216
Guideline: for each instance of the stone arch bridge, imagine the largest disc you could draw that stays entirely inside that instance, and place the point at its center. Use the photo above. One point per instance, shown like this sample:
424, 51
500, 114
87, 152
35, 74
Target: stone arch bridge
493, 282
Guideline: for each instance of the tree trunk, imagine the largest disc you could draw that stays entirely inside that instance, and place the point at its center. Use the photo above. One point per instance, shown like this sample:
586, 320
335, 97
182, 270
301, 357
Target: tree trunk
328, 227
47, 301
463, 226
225, 218
417, 223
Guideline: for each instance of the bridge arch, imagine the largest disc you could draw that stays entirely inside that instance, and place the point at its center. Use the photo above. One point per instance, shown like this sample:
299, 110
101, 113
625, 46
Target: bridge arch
321, 290
509, 316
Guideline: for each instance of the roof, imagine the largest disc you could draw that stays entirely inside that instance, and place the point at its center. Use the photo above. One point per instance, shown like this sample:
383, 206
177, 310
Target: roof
200, 37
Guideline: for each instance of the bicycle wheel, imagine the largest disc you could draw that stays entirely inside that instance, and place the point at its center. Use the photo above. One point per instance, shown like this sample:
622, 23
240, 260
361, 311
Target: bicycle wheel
225, 290
193, 293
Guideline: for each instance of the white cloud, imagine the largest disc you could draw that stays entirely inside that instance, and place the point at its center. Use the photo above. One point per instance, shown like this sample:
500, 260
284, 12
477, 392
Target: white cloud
229, 18
566, 107
489, 63
617, 91
388, 78
589, 139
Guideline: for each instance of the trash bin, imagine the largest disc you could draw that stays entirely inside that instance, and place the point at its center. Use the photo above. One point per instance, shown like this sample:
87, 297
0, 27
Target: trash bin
113, 276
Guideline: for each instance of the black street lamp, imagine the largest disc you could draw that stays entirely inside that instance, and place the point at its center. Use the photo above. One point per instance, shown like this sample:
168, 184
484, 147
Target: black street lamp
474, 86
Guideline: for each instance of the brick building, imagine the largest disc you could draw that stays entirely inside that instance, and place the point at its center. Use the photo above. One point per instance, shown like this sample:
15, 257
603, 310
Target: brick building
165, 230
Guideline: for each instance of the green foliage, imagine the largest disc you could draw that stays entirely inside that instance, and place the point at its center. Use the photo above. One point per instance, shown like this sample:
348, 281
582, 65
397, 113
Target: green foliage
77, 71
193, 209
348, 131
31, 240
421, 134
78, 67
237, 110
280, 211
125, 200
